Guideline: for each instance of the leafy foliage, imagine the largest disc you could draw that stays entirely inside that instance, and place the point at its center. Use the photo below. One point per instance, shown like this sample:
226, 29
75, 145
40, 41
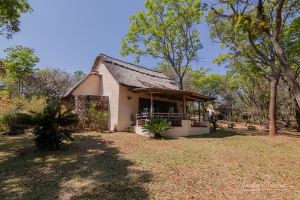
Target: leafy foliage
49, 82
98, 118
129, 129
78, 75
48, 126
9, 107
156, 126
210, 85
166, 30
18, 63
10, 12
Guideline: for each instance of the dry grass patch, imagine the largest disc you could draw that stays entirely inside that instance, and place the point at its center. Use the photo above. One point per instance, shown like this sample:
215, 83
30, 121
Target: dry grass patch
223, 165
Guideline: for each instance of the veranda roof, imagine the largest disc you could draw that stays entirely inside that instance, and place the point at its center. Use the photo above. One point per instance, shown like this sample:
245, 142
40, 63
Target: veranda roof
173, 94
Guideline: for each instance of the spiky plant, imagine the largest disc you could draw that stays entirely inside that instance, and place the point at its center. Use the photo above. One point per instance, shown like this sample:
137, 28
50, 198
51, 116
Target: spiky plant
48, 126
156, 126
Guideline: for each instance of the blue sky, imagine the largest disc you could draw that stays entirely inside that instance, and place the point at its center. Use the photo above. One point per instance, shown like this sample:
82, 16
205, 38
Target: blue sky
69, 34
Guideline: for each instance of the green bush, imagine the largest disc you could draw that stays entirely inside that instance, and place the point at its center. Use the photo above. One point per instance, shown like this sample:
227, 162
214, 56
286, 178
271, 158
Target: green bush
279, 123
235, 119
293, 125
231, 125
129, 129
98, 118
10, 107
8, 118
48, 123
248, 121
156, 126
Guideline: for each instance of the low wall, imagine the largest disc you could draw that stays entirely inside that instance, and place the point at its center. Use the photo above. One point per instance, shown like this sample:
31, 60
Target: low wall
182, 131
81, 104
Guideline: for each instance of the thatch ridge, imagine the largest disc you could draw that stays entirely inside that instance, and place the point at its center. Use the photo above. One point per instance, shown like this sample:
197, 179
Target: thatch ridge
101, 54
136, 76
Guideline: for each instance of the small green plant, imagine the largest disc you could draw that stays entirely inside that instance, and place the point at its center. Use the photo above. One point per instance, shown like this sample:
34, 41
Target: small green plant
4, 128
48, 126
129, 129
231, 125
7, 118
98, 118
235, 119
156, 126
293, 125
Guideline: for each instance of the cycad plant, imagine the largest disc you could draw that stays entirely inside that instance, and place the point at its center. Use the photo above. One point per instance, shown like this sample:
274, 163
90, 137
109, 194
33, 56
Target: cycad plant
49, 126
156, 126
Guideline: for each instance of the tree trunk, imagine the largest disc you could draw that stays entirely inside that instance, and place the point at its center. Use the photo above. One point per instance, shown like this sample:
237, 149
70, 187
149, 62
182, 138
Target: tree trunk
272, 110
157, 135
296, 107
181, 83
298, 120
286, 68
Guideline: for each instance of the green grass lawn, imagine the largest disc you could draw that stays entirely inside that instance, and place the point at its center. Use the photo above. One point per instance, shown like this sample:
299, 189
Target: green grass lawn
222, 165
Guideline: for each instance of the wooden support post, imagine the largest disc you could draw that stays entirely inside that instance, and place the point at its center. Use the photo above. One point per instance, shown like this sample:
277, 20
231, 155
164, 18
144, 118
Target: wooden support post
199, 110
203, 110
184, 107
151, 111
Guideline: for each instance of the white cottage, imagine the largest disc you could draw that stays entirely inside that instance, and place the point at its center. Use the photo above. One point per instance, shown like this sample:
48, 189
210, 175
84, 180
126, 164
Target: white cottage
135, 94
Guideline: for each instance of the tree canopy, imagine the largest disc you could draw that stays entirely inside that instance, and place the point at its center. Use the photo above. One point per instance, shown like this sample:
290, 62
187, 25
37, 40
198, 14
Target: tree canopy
10, 12
166, 30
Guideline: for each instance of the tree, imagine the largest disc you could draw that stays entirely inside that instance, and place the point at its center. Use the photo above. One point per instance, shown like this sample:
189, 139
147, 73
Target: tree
78, 75
10, 11
168, 31
210, 85
20, 62
188, 79
261, 24
50, 82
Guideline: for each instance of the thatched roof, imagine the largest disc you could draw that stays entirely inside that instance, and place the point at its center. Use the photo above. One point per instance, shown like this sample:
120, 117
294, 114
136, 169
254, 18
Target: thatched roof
128, 74
141, 79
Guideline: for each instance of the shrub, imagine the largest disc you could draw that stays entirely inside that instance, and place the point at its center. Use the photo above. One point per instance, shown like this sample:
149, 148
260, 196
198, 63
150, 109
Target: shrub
231, 125
248, 121
98, 118
129, 129
10, 107
156, 126
279, 123
47, 126
8, 118
293, 125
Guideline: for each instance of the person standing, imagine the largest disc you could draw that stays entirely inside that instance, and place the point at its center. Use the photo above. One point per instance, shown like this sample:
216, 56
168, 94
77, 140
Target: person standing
213, 118
207, 115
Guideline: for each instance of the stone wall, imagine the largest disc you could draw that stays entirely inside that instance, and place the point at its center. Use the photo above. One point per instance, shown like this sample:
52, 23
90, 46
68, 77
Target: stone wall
81, 104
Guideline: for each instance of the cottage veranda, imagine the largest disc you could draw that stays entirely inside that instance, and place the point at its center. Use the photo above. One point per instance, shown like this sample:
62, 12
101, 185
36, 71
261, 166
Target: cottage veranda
131, 94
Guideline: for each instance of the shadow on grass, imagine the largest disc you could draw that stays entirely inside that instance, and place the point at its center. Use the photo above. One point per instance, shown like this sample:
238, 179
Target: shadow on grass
220, 133
223, 132
90, 168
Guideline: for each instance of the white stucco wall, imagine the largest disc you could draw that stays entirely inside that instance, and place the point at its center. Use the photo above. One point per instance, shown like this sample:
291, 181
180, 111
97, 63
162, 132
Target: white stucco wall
185, 130
109, 87
91, 86
127, 107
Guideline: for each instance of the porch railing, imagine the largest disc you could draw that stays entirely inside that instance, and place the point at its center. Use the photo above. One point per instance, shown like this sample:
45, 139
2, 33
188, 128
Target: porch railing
175, 118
